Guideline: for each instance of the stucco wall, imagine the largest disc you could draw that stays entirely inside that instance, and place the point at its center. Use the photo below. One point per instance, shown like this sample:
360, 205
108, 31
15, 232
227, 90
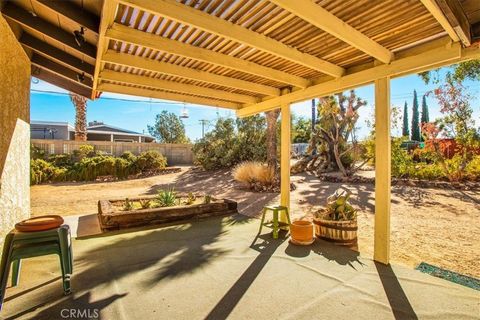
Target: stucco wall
14, 131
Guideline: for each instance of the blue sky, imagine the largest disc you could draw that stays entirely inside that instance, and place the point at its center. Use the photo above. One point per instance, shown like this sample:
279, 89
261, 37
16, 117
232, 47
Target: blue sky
137, 113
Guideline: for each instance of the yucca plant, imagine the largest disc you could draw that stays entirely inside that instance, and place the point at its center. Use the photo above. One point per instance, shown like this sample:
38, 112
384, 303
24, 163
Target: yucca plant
145, 203
339, 207
166, 198
127, 205
190, 198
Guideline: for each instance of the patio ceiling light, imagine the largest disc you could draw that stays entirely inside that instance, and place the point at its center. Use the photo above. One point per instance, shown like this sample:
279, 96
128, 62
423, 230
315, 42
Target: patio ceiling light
81, 77
79, 36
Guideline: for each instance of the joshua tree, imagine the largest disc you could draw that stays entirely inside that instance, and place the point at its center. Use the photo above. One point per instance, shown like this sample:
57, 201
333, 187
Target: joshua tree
80, 104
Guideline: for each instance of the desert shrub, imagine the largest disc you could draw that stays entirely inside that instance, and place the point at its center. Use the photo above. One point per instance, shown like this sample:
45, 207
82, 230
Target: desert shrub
86, 149
472, 169
60, 160
150, 160
231, 142
427, 172
43, 171
129, 156
252, 172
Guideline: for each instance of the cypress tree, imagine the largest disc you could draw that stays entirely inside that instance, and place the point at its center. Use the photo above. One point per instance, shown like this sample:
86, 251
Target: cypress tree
415, 118
405, 129
425, 117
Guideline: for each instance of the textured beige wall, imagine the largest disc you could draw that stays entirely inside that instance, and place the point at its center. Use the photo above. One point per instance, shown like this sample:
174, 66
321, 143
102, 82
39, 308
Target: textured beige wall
14, 131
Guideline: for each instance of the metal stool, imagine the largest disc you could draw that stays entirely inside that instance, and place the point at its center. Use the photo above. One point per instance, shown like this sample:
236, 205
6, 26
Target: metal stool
275, 224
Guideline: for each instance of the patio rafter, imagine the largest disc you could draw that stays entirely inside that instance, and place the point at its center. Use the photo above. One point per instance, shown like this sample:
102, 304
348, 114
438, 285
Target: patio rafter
125, 34
204, 21
459, 30
47, 29
53, 78
188, 73
70, 11
60, 70
416, 62
135, 91
56, 55
321, 18
132, 79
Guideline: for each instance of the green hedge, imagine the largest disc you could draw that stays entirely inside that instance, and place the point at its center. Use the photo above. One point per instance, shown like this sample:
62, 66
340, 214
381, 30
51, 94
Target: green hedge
84, 165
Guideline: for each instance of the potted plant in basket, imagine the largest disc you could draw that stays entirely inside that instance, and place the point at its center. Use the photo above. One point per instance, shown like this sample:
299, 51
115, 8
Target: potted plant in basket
338, 221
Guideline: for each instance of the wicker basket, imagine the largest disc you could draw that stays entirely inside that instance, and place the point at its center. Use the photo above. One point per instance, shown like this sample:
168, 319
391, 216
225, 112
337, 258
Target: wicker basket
339, 232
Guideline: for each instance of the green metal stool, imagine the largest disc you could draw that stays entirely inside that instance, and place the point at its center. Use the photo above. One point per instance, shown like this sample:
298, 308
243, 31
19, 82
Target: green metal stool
21, 245
275, 224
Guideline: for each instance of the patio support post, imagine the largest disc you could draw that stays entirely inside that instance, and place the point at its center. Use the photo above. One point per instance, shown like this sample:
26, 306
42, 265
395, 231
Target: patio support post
285, 159
382, 170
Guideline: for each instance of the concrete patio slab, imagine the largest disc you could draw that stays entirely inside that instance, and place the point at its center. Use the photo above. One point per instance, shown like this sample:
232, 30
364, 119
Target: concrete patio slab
213, 269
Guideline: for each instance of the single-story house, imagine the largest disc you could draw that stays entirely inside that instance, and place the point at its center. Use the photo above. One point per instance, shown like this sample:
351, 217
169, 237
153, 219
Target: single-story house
96, 131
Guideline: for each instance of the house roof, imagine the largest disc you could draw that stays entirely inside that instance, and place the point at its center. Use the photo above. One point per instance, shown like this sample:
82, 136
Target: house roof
247, 55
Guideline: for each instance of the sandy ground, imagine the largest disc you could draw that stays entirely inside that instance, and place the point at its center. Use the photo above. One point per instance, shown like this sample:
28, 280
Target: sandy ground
437, 226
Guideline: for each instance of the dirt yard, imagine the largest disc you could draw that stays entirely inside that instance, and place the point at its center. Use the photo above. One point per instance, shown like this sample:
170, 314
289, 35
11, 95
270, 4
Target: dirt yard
437, 226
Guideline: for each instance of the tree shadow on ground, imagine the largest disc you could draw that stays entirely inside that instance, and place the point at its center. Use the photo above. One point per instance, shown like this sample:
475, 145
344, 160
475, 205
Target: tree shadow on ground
177, 250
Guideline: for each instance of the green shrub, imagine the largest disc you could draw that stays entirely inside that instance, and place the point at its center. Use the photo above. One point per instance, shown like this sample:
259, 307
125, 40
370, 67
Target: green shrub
472, 170
36, 153
60, 160
150, 160
130, 157
427, 172
42, 171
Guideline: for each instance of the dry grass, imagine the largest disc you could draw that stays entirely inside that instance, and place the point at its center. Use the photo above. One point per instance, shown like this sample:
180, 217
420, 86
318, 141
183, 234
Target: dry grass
251, 172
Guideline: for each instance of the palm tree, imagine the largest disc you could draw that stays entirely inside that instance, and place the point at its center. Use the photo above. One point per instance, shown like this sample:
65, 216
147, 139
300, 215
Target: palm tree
80, 104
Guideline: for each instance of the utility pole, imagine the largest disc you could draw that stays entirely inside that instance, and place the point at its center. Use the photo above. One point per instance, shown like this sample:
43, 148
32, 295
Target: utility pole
203, 122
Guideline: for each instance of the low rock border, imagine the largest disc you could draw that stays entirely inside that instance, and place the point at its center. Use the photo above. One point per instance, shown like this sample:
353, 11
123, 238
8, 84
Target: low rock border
465, 185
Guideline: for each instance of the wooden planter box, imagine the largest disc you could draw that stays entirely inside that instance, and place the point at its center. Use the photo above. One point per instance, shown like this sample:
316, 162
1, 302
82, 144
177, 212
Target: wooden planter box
339, 232
113, 220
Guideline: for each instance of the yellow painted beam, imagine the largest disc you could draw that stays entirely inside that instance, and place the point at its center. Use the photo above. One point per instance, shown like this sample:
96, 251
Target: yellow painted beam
164, 95
285, 150
218, 26
152, 41
382, 171
418, 62
438, 14
109, 11
167, 68
173, 86
314, 14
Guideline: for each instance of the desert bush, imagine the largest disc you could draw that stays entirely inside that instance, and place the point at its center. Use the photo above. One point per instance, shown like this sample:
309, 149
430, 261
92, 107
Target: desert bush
36, 153
43, 171
129, 156
427, 172
473, 169
253, 172
230, 142
60, 160
150, 160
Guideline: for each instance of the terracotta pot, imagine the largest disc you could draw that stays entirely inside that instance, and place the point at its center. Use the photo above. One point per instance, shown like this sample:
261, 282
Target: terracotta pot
301, 232
339, 232
41, 223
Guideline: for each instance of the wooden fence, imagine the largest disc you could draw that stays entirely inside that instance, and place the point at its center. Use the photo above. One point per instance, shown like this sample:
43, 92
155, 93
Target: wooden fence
176, 153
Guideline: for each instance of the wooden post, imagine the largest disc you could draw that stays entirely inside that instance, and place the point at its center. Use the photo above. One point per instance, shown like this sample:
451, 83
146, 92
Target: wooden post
285, 146
382, 170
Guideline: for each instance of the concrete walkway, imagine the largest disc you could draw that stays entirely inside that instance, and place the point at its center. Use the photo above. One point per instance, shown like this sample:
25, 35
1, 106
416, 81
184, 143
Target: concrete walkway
211, 270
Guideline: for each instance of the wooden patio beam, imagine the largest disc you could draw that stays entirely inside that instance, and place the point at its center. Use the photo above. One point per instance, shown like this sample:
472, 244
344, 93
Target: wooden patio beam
55, 54
184, 14
439, 15
53, 78
382, 171
47, 29
314, 14
417, 62
457, 18
116, 88
133, 79
155, 42
166, 68
109, 11
60, 70
73, 13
